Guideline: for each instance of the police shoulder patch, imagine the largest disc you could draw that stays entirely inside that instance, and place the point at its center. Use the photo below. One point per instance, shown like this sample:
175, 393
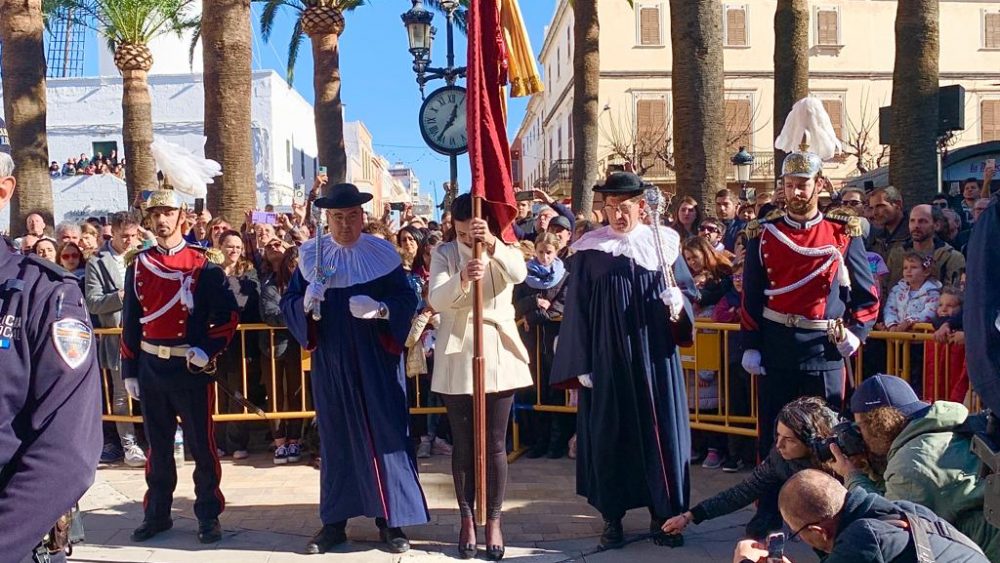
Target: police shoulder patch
72, 339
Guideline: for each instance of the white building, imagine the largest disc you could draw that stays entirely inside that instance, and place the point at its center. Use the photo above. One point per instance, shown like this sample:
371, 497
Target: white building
407, 178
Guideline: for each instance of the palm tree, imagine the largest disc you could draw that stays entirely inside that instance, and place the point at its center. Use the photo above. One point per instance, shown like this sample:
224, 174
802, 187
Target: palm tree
22, 68
791, 62
697, 84
323, 22
913, 166
226, 37
586, 89
128, 26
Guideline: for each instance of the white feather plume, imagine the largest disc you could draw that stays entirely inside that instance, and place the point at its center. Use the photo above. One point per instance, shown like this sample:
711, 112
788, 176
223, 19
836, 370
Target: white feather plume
187, 172
808, 118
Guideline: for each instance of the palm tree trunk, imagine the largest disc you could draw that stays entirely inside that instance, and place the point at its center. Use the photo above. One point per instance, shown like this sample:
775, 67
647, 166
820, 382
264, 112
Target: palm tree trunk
791, 63
913, 166
137, 132
226, 36
329, 112
698, 93
24, 103
586, 90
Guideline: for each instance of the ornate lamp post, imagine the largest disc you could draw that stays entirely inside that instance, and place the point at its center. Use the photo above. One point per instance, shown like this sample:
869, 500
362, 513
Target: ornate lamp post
442, 115
743, 161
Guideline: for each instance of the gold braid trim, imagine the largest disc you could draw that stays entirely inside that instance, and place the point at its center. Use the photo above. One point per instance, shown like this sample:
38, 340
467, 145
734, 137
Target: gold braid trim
754, 228
852, 223
130, 256
215, 256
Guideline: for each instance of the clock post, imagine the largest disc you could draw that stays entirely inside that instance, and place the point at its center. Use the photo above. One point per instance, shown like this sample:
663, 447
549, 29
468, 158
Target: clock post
442, 115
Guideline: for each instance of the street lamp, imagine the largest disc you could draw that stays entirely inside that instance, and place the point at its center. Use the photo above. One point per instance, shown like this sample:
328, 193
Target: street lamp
442, 115
743, 161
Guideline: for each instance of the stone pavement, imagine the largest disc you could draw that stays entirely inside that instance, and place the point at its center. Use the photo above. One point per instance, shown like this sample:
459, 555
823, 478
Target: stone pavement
271, 512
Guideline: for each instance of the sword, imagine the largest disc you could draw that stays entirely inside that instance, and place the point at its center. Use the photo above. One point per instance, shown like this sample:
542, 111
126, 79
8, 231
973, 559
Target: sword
242, 401
655, 202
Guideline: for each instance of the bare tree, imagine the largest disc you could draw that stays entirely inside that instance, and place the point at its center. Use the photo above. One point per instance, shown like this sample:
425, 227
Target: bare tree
642, 147
862, 140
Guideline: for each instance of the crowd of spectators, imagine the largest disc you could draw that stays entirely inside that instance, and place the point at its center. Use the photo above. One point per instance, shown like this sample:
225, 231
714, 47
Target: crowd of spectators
89, 166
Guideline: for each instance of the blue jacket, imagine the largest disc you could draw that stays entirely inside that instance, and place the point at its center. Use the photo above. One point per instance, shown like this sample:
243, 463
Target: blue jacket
866, 532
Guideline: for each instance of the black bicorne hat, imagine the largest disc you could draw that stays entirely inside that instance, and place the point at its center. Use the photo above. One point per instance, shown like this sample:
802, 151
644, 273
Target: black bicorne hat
619, 182
342, 196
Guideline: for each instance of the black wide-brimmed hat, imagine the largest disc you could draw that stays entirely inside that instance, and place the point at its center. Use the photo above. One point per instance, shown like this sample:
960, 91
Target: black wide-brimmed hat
619, 182
342, 196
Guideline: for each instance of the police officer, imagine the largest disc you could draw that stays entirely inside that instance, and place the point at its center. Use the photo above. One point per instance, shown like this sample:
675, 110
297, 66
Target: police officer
50, 418
178, 317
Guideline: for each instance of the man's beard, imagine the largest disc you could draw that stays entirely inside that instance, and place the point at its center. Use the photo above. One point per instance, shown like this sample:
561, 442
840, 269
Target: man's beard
799, 206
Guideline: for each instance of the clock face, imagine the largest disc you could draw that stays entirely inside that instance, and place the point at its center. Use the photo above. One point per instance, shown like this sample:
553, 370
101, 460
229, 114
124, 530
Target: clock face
442, 120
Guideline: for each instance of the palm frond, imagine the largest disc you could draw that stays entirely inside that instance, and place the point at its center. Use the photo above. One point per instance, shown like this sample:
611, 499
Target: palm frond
195, 38
271, 8
298, 36
461, 14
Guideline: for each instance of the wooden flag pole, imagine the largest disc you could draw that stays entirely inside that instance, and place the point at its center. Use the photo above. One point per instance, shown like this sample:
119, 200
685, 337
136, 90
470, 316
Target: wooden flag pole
478, 379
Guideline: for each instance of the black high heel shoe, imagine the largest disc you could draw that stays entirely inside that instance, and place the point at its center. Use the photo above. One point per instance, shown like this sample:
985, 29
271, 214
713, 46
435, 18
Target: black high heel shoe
494, 552
467, 550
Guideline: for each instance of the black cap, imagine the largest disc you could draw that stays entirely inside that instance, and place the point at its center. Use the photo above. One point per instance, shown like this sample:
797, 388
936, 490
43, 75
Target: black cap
618, 183
342, 196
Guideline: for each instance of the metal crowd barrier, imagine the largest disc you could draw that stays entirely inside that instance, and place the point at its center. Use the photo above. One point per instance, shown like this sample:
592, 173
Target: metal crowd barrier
708, 364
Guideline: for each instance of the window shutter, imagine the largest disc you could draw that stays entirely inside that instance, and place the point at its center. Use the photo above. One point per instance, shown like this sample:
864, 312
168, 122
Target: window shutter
826, 23
989, 120
835, 108
651, 125
738, 126
649, 25
736, 27
569, 136
991, 37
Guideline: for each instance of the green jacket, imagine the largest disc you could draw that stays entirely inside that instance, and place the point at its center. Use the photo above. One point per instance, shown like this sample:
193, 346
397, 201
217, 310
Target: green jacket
930, 465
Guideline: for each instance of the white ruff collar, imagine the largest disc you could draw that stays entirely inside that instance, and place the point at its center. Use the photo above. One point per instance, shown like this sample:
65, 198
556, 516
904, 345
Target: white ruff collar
639, 244
368, 259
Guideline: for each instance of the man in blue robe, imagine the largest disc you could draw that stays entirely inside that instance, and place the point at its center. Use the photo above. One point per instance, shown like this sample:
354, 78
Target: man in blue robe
617, 341
350, 304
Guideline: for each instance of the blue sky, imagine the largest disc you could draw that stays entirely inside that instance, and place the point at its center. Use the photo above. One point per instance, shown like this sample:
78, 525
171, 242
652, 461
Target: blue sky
379, 86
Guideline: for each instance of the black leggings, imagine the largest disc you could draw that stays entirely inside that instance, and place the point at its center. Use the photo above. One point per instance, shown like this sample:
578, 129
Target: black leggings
463, 460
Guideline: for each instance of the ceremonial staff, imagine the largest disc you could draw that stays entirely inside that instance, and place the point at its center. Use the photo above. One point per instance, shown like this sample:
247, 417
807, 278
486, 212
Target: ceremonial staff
478, 377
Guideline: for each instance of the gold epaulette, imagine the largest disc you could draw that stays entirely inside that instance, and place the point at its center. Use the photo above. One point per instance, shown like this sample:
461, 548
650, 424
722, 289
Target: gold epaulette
851, 222
130, 256
215, 256
754, 228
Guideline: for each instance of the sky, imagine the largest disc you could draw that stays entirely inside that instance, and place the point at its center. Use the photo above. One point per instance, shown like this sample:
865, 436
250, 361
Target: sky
379, 86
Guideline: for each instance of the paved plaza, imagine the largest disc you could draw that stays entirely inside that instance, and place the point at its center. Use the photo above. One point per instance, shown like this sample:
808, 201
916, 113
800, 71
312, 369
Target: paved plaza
271, 512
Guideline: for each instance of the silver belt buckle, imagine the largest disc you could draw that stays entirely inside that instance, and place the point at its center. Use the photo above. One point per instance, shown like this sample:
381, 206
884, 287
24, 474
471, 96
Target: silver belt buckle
163, 352
792, 321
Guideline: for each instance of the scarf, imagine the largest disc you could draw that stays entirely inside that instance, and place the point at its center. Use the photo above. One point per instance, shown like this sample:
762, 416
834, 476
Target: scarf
540, 277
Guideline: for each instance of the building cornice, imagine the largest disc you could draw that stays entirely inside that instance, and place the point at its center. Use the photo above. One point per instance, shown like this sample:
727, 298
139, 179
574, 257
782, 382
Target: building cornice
558, 103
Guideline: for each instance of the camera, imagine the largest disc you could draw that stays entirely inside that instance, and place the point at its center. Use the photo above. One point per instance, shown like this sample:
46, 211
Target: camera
848, 438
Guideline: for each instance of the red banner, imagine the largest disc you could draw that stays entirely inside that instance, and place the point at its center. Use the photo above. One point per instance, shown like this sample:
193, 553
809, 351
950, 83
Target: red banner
489, 152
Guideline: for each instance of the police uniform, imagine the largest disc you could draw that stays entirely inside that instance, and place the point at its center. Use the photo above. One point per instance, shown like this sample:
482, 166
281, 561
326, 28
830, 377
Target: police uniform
809, 297
175, 302
50, 416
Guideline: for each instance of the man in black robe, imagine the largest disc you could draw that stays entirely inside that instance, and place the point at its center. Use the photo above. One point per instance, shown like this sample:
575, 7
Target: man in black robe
617, 342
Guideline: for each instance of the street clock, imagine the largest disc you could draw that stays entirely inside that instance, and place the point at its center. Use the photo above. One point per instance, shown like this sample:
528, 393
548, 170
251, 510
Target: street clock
442, 121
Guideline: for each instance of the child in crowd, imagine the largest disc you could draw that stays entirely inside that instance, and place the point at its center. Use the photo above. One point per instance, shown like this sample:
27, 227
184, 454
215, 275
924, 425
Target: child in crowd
915, 298
944, 358
538, 303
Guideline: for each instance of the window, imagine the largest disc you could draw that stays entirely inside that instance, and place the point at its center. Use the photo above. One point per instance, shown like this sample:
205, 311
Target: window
739, 123
569, 43
558, 64
989, 120
991, 30
569, 134
649, 34
288, 155
834, 107
827, 26
559, 143
734, 23
651, 127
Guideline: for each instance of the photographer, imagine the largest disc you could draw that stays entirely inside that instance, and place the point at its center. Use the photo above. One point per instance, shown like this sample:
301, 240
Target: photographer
800, 423
853, 526
926, 448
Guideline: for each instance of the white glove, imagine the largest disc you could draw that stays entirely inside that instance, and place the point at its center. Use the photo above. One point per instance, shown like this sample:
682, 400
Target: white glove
197, 357
132, 387
315, 293
673, 298
364, 307
849, 345
751, 362
586, 380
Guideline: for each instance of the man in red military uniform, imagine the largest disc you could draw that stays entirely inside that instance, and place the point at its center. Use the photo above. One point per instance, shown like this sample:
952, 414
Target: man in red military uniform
809, 297
178, 317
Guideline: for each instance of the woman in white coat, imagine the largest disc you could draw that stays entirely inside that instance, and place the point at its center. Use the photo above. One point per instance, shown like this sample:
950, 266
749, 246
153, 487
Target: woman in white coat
450, 293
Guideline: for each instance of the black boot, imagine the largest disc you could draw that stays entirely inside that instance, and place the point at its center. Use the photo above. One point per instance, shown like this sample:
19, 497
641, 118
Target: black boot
393, 538
660, 537
150, 528
209, 531
331, 535
613, 536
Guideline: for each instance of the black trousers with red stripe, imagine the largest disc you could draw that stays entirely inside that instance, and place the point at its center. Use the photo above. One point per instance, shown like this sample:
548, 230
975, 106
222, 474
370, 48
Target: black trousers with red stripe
168, 390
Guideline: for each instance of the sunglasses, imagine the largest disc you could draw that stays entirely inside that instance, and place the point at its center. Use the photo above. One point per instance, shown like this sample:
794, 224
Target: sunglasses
708, 229
941, 205
853, 203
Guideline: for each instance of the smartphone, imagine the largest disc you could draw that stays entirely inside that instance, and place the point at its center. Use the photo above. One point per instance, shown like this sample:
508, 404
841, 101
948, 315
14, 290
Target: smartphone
524, 195
199, 205
264, 217
397, 206
991, 162
300, 192
322, 171
776, 548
